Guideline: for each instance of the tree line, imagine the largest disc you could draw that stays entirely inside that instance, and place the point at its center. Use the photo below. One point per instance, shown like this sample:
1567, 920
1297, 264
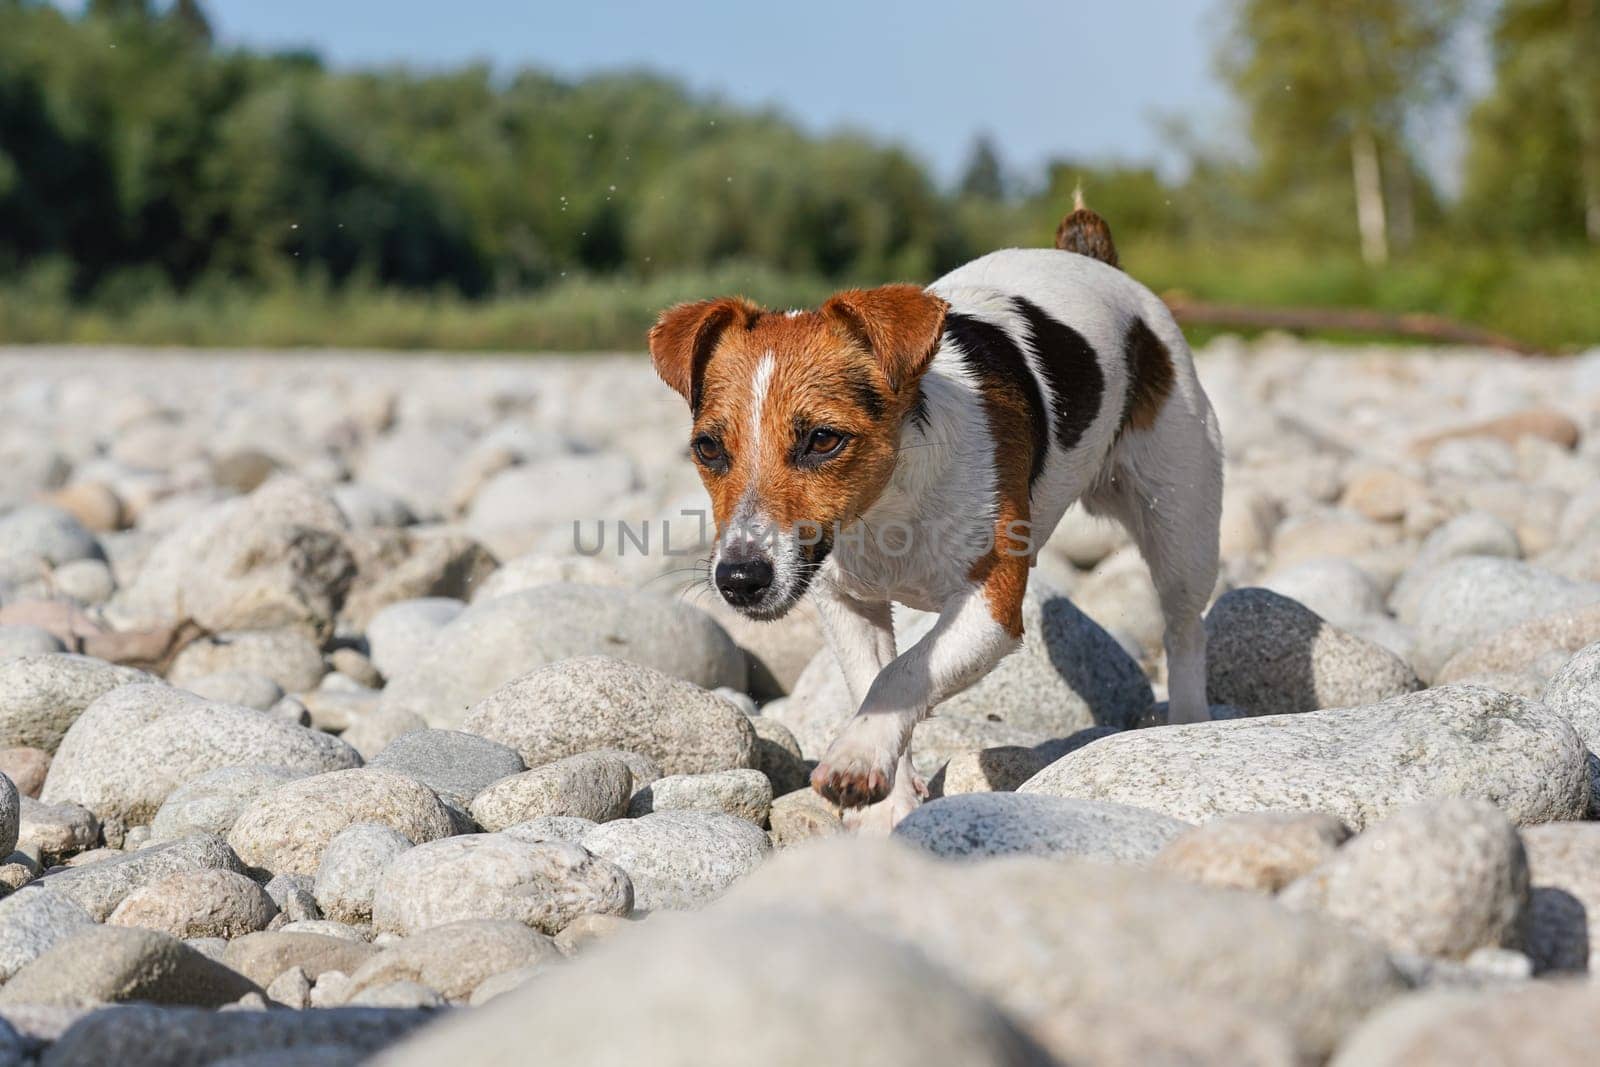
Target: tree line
135, 152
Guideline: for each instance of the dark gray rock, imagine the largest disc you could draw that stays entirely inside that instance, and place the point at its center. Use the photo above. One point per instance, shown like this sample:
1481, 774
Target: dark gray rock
998, 824
457, 766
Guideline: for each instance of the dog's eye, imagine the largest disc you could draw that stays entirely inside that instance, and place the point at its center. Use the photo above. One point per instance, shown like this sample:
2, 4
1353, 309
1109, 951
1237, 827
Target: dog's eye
823, 443
708, 450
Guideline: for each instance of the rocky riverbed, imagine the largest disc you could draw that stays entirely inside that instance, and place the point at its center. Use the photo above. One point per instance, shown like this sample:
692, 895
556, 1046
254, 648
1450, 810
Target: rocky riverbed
326, 736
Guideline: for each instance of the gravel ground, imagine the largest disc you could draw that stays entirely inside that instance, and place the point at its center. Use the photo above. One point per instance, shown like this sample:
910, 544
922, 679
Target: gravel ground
325, 735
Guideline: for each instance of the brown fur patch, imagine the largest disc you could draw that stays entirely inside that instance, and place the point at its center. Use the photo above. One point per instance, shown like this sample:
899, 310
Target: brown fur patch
1003, 570
1150, 376
683, 338
823, 375
900, 324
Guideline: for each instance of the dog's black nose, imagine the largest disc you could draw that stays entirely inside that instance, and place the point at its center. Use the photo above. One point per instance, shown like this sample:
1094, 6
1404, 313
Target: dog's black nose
743, 583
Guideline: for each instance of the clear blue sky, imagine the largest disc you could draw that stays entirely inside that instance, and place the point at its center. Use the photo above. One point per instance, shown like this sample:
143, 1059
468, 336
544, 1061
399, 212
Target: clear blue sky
1045, 77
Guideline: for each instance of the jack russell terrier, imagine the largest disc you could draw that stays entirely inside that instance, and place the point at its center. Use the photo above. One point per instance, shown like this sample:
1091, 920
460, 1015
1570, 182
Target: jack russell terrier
919, 445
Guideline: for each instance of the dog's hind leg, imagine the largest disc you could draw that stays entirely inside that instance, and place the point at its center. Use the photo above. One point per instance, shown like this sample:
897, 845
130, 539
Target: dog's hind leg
1165, 485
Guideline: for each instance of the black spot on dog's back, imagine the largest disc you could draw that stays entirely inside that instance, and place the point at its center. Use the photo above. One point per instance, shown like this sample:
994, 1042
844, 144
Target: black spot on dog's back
1070, 368
1000, 366
1150, 376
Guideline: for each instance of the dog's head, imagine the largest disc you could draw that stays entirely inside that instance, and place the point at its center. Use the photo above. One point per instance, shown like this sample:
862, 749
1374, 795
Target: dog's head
797, 420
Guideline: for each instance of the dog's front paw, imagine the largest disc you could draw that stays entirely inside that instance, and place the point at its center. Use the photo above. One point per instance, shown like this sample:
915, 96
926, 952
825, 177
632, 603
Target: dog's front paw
857, 769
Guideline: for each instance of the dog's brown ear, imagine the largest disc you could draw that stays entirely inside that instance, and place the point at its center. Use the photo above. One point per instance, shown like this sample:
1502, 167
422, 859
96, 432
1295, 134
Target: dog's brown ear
900, 324
684, 336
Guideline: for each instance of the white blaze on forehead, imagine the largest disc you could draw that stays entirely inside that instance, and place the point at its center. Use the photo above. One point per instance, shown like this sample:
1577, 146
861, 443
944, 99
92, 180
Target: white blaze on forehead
758, 400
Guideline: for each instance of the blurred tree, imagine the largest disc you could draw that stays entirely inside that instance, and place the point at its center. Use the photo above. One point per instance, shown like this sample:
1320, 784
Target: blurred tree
1533, 158
1333, 86
191, 17
984, 177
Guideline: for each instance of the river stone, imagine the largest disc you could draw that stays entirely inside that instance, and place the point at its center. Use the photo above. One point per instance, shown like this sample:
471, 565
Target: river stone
31, 921
113, 964
276, 558
100, 887
1563, 931
394, 566
41, 696
692, 998
398, 634
1004, 768
590, 785
744, 793
10, 816
998, 824
596, 702
132, 747
263, 956
1574, 694
211, 802
1537, 648
458, 766
206, 903
150, 1036
1439, 879
1472, 533
457, 957
1041, 934
778, 755
351, 866
1180, 1029
801, 816
1537, 1022
237, 687
680, 860
20, 639
550, 828
1357, 764
377, 730
492, 876
497, 641
287, 656
1467, 600
48, 534
1257, 850
289, 828
1270, 655
52, 832
292, 895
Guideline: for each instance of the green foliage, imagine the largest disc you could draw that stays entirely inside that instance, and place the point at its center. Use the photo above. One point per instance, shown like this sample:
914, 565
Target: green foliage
1529, 137
156, 187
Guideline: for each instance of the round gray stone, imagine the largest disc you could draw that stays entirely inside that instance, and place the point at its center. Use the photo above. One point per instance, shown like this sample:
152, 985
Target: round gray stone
496, 641
457, 766
1269, 655
680, 860
42, 696
1358, 764
596, 702
998, 824
590, 785
493, 876
351, 866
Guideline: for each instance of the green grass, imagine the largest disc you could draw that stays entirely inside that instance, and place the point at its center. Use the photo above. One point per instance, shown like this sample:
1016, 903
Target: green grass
1551, 300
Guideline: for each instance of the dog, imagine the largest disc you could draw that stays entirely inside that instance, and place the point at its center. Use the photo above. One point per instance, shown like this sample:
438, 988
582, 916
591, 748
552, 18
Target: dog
918, 445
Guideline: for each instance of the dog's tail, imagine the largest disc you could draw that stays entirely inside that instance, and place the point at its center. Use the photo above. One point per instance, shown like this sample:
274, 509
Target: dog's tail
1086, 233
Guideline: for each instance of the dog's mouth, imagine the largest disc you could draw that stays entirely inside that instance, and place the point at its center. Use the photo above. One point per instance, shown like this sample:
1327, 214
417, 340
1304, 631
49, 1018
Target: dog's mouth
791, 581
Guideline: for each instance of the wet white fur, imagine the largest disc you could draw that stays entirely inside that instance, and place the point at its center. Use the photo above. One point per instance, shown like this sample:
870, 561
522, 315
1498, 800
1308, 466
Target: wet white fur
1164, 484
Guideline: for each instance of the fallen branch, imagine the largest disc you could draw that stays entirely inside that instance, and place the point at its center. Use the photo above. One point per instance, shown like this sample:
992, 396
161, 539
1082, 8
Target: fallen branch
1418, 325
